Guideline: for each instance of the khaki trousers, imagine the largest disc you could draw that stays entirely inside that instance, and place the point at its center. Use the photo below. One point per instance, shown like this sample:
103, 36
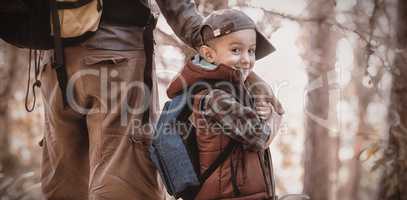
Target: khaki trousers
96, 148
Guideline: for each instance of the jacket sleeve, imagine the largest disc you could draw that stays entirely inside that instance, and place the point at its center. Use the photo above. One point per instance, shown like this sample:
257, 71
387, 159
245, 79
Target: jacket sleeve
235, 120
183, 18
261, 90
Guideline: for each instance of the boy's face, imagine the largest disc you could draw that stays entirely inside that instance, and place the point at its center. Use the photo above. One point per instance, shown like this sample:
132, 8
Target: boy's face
235, 50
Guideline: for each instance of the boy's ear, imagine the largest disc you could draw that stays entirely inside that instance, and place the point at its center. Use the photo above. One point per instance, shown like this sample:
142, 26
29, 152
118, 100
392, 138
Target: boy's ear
208, 53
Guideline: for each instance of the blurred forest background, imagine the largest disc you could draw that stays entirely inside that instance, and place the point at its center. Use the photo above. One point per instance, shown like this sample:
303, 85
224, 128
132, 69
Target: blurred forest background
340, 71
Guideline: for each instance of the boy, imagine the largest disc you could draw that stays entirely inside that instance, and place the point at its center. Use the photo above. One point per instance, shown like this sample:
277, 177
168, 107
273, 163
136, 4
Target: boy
225, 110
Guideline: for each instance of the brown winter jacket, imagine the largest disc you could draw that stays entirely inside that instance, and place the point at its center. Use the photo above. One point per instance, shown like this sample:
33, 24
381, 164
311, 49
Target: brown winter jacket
220, 116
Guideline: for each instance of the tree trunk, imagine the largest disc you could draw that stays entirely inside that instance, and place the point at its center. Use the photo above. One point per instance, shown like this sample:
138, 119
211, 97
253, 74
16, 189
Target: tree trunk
364, 97
395, 176
321, 143
7, 72
350, 189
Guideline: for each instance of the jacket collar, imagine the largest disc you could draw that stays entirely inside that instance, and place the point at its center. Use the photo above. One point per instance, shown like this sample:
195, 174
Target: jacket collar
197, 70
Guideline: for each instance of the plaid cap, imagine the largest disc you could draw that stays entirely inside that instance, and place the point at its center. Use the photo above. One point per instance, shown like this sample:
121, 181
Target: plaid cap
226, 21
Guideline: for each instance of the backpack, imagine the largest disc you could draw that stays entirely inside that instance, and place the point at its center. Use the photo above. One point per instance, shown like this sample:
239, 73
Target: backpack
53, 24
48, 24
174, 150
37, 24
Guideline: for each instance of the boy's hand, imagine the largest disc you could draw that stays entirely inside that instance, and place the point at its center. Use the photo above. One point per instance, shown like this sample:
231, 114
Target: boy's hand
264, 109
259, 88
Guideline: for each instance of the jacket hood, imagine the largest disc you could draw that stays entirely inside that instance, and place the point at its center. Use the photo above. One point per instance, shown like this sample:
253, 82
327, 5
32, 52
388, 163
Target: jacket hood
193, 72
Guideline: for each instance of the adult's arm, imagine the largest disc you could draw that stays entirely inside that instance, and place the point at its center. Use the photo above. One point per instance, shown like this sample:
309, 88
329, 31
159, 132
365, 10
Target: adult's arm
184, 19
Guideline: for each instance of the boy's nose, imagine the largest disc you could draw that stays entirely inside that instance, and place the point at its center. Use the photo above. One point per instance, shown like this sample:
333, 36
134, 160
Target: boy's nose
245, 60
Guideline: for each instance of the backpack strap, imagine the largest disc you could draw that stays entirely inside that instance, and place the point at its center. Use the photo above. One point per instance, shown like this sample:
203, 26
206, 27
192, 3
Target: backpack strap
199, 89
59, 63
269, 163
72, 4
219, 160
268, 174
148, 41
191, 193
233, 178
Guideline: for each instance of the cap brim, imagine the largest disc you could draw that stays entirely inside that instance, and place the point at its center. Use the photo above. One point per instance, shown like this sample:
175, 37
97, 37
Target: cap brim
263, 46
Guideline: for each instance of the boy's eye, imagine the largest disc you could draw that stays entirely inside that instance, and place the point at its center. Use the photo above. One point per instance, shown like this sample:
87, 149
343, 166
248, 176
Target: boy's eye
252, 51
235, 50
